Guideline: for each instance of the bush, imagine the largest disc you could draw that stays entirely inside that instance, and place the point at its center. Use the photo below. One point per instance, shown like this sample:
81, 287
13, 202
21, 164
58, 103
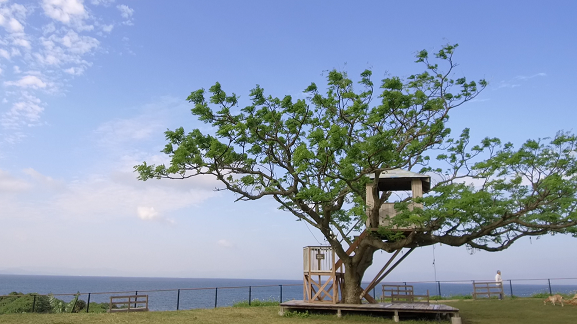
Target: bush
98, 307
21, 303
256, 303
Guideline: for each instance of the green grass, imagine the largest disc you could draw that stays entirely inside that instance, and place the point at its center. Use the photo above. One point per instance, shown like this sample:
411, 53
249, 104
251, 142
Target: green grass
488, 311
513, 311
437, 297
545, 295
256, 303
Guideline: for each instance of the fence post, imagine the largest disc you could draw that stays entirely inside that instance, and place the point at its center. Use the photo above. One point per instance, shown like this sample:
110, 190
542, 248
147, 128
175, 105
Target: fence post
135, 299
511, 286
88, 303
550, 291
215, 296
249, 294
280, 293
178, 300
439, 287
34, 304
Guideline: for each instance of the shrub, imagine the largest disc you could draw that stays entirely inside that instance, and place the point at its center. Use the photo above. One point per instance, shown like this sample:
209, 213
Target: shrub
256, 303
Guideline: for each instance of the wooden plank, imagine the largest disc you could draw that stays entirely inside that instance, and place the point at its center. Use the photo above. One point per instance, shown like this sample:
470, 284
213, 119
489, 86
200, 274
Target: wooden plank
140, 305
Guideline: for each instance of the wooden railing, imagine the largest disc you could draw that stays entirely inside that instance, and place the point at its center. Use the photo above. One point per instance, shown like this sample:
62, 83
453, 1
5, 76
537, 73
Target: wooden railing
403, 294
134, 303
487, 288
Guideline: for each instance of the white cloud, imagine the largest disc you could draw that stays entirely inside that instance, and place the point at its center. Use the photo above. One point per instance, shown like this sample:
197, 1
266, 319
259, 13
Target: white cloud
524, 77
146, 213
27, 111
516, 81
42, 179
15, 52
29, 81
48, 29
78, 44
102, 2
54, 49
75, 70
107, 28
10, 184
15, 26
119, 131
22, 42
224, 243
4, 53
11, 17
97, 198
125, 11
22, 112
64, 10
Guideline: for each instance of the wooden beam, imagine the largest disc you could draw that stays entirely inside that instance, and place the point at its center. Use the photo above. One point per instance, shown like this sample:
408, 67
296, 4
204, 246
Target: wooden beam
352, 248
370, 299
386, 273
373, 284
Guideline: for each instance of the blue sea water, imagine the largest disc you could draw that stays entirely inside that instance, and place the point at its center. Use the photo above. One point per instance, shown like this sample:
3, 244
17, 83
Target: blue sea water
164, 293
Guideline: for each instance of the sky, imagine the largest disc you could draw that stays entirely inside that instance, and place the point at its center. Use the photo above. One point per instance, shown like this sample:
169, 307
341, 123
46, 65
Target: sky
88, 88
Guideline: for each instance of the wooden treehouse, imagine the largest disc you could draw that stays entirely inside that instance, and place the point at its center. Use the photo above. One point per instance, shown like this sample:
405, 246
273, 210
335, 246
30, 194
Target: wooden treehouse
396, 180
324, 272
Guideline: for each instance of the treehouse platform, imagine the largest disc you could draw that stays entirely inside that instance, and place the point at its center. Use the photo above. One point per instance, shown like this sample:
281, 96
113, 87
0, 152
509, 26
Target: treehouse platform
396, 310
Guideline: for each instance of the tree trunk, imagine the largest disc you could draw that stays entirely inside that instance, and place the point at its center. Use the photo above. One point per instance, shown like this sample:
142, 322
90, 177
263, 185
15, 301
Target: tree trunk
354, 272
351, 288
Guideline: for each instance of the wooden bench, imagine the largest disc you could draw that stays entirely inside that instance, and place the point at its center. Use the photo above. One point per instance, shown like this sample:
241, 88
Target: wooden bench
403, 294
134, 303
487, 288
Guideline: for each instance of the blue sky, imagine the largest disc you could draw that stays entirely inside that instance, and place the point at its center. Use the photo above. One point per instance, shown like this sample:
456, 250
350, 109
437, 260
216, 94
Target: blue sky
89, 87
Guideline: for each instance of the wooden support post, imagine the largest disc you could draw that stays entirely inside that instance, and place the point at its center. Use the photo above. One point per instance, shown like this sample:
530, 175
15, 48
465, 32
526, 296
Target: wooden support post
456, 319
373, 284
364, 293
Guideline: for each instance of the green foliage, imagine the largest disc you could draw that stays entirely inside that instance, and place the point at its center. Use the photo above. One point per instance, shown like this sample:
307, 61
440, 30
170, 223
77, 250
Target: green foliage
256, 303
98, 307
296, 314
24, 304
20, 303
56, 305
540, 295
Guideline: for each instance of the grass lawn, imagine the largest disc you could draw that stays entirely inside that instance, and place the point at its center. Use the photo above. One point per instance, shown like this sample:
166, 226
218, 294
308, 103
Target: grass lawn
521, 310
513, 311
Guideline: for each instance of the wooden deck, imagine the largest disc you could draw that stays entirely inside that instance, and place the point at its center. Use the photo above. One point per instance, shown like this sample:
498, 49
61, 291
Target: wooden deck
397, 310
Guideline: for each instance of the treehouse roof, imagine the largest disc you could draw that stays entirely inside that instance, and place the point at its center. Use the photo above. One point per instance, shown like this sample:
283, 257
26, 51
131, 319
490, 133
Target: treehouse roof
400, 180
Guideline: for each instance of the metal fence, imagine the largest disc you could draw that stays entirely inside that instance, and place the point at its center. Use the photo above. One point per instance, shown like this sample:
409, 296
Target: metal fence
190, 298
511, 287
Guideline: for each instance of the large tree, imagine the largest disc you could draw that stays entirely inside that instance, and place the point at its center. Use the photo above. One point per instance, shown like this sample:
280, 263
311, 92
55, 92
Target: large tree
315, 157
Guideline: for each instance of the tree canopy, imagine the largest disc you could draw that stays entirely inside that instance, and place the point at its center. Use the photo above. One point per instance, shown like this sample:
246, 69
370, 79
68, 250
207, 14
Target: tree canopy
314, 156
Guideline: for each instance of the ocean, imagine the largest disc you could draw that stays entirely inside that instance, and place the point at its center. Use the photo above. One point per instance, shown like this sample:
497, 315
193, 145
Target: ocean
189, 293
